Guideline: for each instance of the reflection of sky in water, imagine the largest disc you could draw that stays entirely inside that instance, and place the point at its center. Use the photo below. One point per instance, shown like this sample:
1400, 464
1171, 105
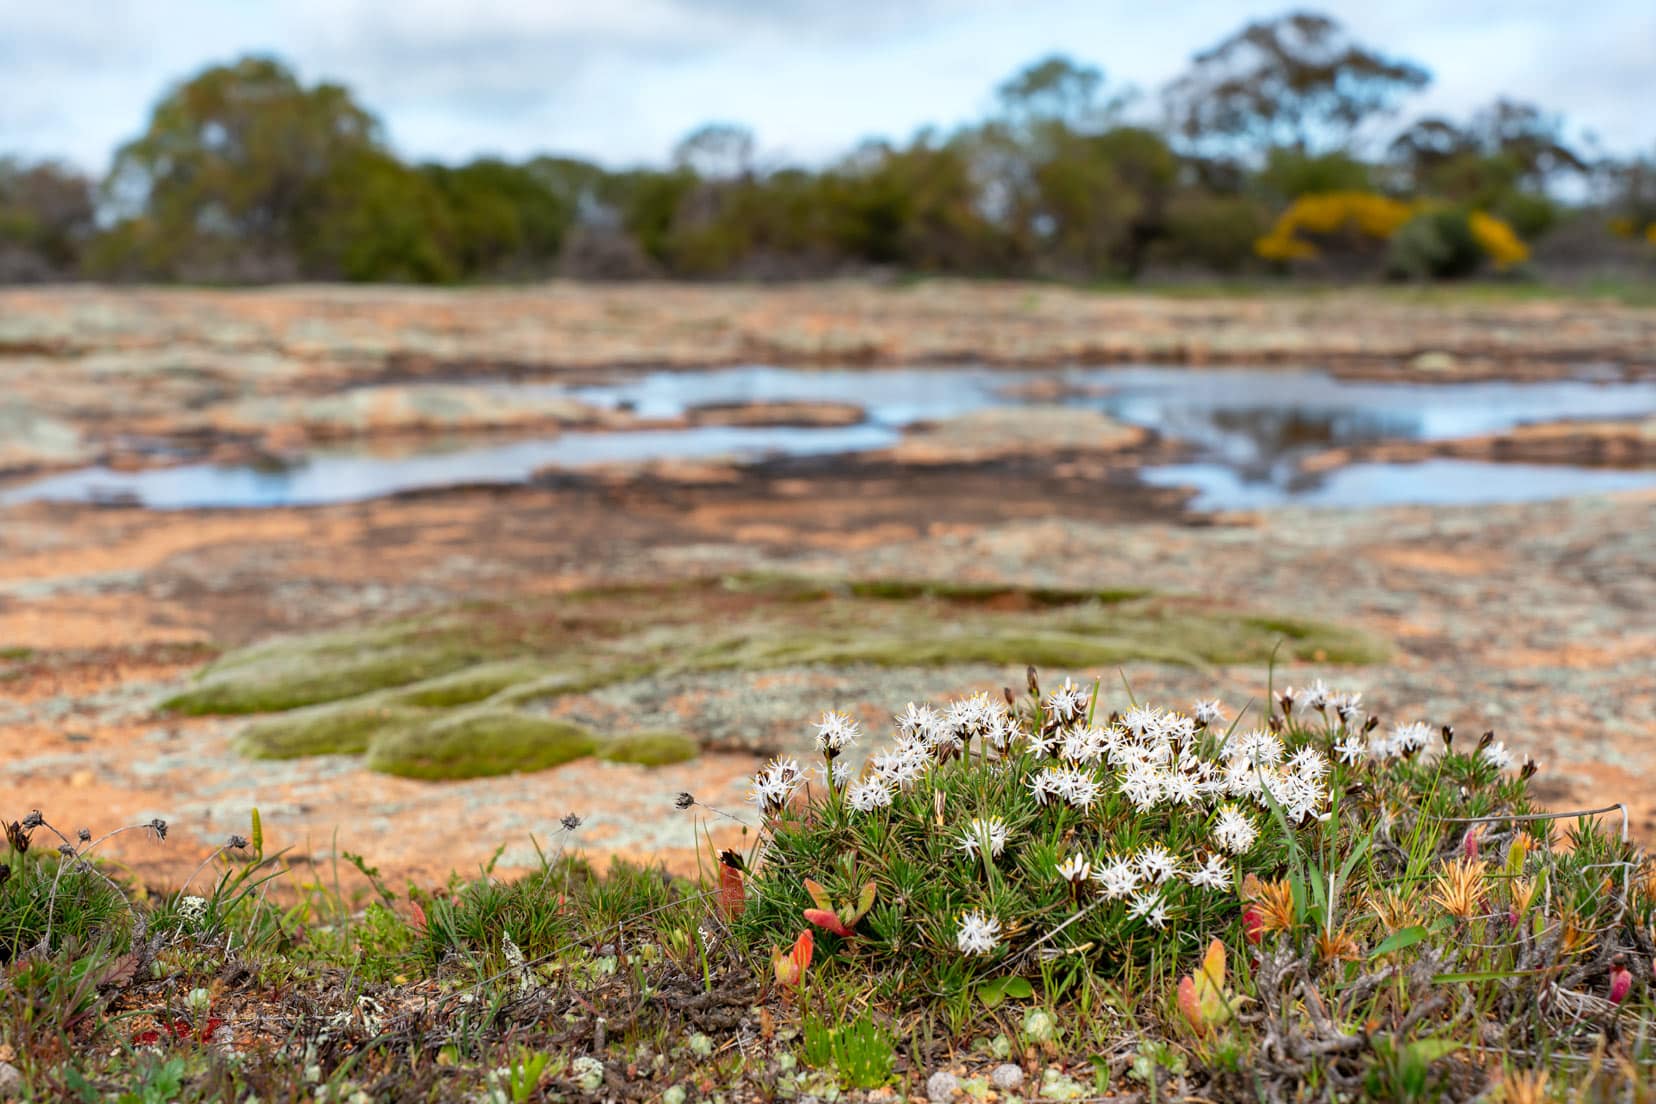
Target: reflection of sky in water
353, 476
1428, 483
1249, 428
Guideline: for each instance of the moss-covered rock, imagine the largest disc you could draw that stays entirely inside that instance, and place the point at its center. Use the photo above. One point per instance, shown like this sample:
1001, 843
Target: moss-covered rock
471, 684
298, 671
480, 741
463, 693
650, 749
335, 728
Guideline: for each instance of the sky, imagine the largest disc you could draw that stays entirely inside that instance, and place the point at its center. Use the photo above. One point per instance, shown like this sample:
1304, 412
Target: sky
620, 81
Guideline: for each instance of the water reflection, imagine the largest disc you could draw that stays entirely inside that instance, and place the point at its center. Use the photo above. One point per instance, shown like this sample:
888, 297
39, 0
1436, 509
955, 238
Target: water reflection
1249, 430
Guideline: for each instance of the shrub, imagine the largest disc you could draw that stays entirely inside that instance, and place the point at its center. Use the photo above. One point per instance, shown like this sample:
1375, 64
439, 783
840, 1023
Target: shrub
1434, 245
1361, 218
1498, 240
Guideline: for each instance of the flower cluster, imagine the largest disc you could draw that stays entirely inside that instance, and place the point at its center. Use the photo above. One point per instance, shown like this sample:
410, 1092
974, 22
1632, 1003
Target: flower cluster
1001, 814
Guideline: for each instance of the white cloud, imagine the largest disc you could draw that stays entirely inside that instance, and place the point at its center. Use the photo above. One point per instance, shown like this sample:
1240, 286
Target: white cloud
620, 80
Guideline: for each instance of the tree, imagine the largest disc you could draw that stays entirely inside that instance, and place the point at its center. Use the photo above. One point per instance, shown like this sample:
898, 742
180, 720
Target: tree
1058, 90
507, 220
374, 219
1297, 80
716, 151
46, 216
230, 164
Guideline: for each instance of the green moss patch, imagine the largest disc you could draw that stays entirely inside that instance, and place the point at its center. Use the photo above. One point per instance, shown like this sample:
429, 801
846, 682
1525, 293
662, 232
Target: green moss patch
651, 749
477, 742
337, 728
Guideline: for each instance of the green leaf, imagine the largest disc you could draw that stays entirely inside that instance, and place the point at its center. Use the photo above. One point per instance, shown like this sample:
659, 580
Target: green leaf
1398, 940
1481, 975
1430, 1050
993, 992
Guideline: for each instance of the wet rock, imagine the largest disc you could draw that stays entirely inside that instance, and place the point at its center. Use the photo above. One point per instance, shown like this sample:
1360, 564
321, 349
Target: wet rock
1006, 431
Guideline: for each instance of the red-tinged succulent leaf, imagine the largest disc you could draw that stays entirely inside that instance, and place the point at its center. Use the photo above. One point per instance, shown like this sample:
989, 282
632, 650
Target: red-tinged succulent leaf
802, 948
1189, 1005
819, 896
827, 921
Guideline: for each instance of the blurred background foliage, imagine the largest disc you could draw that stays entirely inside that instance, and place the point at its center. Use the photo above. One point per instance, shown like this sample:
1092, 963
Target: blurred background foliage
1281, 151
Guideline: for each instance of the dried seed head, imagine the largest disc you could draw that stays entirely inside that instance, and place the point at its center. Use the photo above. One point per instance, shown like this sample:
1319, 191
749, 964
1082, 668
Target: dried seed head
570, 822
66, 850
1529, 769
684, 800
236, 843
33, 820
84, 835
18, 837
159, 827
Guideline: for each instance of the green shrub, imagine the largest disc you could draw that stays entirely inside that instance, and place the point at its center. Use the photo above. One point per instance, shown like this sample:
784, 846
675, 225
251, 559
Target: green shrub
1434, 245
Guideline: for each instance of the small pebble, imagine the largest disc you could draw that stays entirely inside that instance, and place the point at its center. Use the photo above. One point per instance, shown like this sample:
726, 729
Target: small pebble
942, 1085
1007, 1077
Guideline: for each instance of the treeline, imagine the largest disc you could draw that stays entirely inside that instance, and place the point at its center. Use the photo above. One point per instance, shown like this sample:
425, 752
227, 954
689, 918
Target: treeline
1265, 160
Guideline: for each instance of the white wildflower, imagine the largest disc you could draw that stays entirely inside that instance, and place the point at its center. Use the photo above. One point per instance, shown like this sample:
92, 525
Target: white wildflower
869, 794
1214, 873
1347, 706
1352, 749
1149, 907
1314, 696
1234, 831
1068, 704
1143, 784
1077, 787
978, 934
1208, 712
836, 777
980, 833
1497, 756
916, 722
775, 783
1118, 878
1157, 864
835, 732
1181, 786
1075, 869
1309, 764
1409, 738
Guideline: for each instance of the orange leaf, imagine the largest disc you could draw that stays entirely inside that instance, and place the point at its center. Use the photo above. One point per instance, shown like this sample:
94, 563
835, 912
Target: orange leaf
802, 948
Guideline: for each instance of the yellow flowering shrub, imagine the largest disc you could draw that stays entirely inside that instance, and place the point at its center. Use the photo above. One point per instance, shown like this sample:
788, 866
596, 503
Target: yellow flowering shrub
1364, 213
1376, 217
1498, 240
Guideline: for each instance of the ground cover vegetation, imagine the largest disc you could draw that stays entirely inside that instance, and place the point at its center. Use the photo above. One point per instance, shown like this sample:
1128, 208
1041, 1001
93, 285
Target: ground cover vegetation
1052, 893
1272, 153
471, 692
